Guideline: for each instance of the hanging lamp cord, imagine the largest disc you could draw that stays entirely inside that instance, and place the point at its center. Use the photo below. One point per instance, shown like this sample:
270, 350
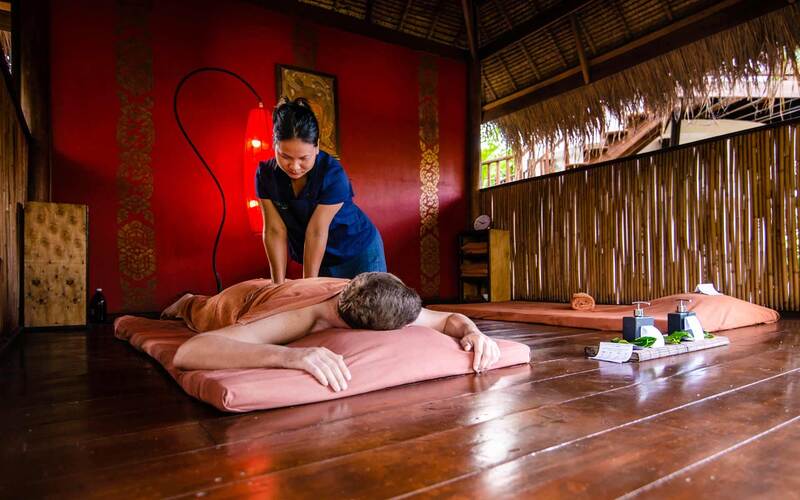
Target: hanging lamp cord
202, 160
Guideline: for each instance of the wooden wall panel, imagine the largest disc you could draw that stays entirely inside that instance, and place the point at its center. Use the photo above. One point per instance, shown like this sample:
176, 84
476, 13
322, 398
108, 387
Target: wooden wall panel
55, 264
13, 191
722, 211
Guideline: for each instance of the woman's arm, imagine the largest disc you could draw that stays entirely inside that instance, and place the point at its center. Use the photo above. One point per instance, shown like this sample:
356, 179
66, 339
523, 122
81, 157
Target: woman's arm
254, 345
274, 237
461, 327
317, 238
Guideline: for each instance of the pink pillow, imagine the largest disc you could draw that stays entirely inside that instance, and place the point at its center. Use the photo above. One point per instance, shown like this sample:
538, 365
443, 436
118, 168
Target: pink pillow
377, 360
716, 312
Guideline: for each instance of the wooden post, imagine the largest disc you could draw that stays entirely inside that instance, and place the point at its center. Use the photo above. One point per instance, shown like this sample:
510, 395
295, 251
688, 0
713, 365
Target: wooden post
474, 114
675, 130
32, 63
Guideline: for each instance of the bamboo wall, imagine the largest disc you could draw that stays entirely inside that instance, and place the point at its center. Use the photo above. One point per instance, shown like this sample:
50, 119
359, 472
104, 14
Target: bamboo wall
13, 189
723, 211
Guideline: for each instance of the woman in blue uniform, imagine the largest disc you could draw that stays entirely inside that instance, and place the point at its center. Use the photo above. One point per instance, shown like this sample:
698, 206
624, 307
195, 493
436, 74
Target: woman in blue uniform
307, 204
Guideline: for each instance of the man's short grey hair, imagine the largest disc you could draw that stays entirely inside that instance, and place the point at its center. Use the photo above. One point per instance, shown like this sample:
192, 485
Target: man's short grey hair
378, 301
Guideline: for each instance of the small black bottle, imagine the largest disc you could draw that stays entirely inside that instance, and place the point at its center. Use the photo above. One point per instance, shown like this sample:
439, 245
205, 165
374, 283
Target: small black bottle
677, 320
97, 307
632, 325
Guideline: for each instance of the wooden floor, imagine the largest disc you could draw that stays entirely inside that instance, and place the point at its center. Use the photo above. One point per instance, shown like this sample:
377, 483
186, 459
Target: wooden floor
84, 415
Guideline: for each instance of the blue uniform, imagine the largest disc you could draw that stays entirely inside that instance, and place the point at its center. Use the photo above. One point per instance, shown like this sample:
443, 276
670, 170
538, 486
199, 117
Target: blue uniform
353, 240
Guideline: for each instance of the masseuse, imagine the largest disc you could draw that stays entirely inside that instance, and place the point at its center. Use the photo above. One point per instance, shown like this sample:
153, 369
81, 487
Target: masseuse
307, 203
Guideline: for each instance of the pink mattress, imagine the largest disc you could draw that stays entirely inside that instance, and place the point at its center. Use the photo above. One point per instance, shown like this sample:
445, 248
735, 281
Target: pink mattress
716, 312
377, 360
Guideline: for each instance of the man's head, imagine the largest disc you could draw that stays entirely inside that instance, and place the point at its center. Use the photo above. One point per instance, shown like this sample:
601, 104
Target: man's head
378, 301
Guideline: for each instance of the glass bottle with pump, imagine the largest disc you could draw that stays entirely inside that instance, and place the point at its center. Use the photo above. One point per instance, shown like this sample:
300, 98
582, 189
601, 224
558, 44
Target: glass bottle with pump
677, 320
632, 325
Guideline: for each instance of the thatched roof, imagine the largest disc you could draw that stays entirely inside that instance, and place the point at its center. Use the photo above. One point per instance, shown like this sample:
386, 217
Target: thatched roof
686, 76
549, 66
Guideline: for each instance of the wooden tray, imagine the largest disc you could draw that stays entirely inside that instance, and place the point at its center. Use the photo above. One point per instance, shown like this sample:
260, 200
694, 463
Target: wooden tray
668, 350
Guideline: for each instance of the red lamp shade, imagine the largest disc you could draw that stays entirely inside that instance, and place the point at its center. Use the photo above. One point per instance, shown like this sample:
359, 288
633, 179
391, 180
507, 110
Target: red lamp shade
257, 148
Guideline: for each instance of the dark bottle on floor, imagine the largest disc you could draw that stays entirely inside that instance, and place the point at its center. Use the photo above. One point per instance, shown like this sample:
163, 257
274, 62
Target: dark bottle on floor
97, 307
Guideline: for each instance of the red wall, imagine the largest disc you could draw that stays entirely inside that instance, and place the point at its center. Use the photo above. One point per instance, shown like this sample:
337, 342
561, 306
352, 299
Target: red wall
378, 123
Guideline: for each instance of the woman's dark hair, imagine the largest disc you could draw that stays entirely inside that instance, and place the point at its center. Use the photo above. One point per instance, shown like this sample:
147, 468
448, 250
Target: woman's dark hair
295, 120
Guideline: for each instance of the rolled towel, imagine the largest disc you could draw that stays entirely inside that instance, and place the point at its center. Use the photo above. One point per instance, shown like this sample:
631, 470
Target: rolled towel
582, 302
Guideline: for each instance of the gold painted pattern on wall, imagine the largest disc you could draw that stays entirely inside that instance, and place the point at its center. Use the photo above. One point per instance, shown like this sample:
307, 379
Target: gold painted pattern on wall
135, 136
429, 176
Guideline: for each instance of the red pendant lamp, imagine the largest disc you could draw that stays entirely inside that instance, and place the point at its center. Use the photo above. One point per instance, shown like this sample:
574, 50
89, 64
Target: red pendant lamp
257, 148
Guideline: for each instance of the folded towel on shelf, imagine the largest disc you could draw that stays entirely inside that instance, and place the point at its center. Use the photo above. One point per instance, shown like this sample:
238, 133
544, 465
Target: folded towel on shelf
475, 247
474, 269
582, 302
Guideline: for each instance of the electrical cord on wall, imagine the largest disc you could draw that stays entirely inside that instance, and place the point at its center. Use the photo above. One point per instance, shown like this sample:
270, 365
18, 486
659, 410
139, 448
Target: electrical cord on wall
202, 160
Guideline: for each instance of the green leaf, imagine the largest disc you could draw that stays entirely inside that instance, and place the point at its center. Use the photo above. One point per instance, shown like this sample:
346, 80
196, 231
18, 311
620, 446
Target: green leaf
645, 341
677, 336
641, 341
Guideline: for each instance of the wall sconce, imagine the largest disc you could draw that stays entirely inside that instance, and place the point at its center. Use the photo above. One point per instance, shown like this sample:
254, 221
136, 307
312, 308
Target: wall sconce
257, 143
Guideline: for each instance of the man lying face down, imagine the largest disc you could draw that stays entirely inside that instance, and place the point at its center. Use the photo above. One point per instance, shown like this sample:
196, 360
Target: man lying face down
370, 301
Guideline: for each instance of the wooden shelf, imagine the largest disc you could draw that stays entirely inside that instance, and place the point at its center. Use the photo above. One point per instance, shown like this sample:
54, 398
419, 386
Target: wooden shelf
495, 284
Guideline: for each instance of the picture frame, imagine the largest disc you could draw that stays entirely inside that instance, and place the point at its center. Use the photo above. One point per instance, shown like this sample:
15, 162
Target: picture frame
320, 90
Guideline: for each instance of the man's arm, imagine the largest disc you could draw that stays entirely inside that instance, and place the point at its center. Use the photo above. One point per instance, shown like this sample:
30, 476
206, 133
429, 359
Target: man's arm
255, 345
317, 238
274, 237
461, 327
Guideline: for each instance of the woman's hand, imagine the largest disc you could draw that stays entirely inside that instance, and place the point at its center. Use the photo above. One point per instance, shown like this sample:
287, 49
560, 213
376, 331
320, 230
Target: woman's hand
486, 351
327, 367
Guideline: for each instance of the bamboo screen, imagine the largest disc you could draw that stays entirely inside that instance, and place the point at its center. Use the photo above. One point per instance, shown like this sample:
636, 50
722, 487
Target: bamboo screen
722, 211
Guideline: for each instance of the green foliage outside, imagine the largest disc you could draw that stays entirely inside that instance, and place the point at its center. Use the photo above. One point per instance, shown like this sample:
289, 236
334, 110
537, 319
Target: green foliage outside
494, 147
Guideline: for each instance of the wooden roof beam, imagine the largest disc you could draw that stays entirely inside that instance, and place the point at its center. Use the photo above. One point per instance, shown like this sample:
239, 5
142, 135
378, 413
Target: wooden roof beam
368, 11
579, 46
471, 26
708, 21
541, 20
327, 17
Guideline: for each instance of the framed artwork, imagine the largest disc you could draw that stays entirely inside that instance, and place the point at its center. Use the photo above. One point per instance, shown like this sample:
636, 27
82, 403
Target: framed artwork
320, 90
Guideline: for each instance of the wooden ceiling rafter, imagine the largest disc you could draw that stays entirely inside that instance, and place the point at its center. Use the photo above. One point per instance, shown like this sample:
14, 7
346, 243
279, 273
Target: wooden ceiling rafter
508, 72
368, 10
667, 9
559, 51
437, 13
469, 22
327, 17
705, 21
489, 86
576, 32
543, 19
521, 45
531, 62
504, 13
549, 32
621, 15
404, 15
585, 31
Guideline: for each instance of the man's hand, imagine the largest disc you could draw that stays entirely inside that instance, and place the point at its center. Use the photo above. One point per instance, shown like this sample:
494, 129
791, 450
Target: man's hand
486, 351
327, 367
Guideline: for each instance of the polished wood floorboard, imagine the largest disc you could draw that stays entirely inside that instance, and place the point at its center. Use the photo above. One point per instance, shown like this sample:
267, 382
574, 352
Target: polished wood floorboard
86, 416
